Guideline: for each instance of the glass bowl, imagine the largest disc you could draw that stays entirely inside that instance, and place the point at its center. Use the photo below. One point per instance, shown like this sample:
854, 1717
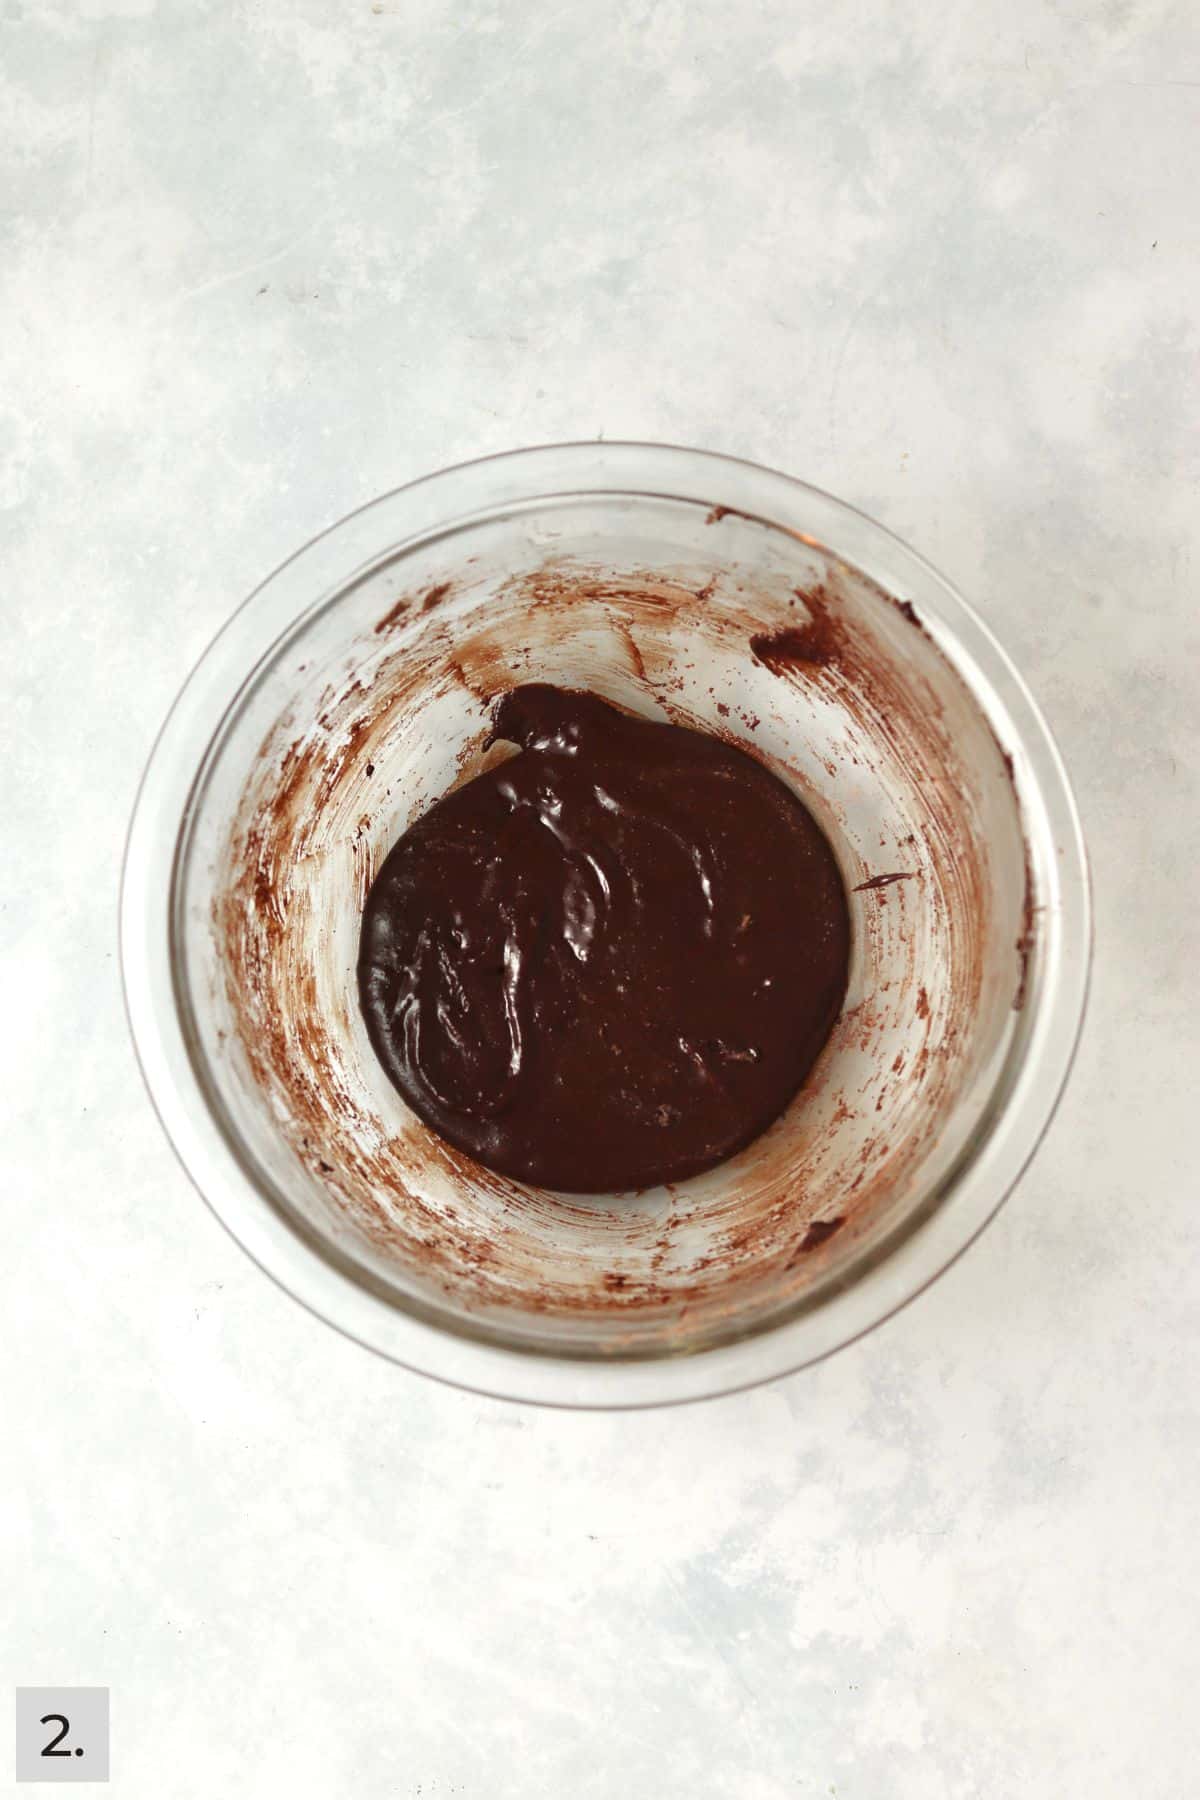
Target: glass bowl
355, 686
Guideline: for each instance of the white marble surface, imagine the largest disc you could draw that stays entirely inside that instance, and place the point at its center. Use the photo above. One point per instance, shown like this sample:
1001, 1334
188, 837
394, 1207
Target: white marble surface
262, 261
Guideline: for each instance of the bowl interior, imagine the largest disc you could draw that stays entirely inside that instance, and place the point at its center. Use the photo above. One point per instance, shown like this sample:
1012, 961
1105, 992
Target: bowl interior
378, 699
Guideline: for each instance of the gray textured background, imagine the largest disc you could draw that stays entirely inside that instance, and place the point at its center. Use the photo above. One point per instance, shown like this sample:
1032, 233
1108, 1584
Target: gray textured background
262, 261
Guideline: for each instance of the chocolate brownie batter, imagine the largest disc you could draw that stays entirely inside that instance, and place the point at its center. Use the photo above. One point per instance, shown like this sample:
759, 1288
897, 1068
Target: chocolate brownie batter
612, 960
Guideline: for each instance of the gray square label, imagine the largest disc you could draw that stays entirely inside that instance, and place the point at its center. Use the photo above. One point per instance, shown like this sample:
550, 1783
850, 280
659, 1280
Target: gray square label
62, 1734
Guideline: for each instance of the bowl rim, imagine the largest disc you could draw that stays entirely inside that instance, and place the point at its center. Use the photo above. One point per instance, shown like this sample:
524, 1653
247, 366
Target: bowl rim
432, 505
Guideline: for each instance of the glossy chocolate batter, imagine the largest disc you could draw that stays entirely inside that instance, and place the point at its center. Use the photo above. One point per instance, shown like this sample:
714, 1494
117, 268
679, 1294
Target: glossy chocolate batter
611, 961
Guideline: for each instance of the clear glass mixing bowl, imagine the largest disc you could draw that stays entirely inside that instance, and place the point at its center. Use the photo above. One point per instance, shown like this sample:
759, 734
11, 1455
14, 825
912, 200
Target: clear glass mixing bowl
354, 686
